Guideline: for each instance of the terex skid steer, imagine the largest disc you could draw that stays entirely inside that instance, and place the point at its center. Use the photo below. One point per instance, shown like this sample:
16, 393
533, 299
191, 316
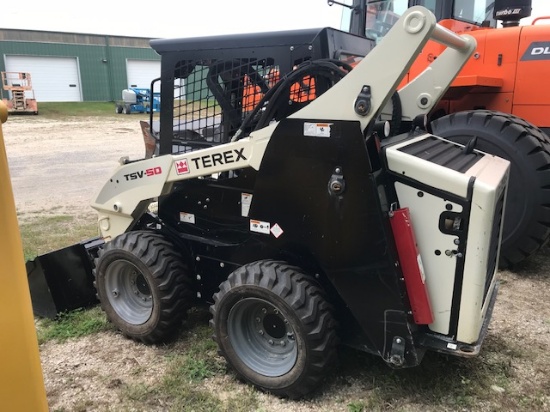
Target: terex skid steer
289, 208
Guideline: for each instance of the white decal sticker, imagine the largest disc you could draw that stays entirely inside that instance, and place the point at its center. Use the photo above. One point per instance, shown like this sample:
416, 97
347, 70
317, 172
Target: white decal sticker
246, 199
317, 129
421, 267
276, 230
451, 346
187, 217
259, 226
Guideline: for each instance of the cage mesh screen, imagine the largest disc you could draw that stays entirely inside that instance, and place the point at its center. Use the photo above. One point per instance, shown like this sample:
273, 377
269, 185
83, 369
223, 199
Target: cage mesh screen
211, 102
213, 99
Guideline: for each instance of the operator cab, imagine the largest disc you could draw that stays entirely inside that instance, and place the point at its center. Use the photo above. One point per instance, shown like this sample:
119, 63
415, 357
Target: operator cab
374, 18
219, 89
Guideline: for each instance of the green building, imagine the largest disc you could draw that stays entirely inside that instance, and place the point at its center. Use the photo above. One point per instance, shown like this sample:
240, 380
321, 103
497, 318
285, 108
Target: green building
73, 67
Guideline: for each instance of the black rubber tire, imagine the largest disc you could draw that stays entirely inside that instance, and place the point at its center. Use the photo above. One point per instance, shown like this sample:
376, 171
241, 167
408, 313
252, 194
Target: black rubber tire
143, 286
118, 109
295, 343
527, 210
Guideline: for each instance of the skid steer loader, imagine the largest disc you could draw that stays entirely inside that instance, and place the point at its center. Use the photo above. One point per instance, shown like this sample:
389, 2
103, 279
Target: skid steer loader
295, 218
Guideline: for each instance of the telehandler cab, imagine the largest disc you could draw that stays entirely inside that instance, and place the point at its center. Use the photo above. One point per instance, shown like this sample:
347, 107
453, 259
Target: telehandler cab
296, 219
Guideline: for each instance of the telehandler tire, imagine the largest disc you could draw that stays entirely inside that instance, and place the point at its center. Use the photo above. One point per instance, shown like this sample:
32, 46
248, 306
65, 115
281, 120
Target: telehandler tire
143, 286
275, 328
527, 209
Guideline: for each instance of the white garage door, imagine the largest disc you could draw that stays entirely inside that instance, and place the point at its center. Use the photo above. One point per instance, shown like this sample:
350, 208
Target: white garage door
54, 79
141, 72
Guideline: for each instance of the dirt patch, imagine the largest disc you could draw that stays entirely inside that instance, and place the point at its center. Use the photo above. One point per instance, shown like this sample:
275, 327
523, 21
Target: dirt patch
61, 165
92, 373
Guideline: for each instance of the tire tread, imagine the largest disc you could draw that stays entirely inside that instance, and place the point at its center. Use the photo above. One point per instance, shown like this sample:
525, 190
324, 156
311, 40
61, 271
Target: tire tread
307, 301
170, 276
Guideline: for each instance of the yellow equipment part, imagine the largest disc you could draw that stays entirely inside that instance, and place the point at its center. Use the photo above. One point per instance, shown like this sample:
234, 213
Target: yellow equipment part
21, 382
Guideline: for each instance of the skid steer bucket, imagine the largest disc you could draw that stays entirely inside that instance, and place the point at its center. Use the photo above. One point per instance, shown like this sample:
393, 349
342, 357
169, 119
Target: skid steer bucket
62, 280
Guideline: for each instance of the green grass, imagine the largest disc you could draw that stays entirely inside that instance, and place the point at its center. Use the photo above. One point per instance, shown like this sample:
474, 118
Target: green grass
199, 361
58, 110
191, 361
69, 109
48, 233
63, 109
440, 382
73, 324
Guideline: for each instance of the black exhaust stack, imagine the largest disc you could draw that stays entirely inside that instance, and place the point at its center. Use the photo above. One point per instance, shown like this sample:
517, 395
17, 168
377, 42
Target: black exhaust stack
510, 12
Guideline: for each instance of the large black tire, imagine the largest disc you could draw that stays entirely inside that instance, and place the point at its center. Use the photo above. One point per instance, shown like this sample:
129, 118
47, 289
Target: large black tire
527, 210
274, 327
143, 286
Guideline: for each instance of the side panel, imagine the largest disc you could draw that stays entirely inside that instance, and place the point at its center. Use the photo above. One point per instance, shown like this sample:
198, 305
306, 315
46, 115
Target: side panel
494, 61
498, 54
342, 237
532, 96
488, 80
507, 73
346, 233
490, 100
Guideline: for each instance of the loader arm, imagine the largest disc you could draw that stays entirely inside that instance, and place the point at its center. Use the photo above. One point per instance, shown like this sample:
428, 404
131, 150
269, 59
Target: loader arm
360, 96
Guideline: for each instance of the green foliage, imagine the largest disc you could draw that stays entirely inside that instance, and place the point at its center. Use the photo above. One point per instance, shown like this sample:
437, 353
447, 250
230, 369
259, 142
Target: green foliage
73, 324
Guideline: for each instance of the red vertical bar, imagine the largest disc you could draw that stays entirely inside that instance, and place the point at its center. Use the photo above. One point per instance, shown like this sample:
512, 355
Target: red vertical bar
411, 265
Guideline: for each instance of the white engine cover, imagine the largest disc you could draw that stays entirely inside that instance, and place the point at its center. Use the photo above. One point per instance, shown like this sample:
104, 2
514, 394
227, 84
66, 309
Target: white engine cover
441, 189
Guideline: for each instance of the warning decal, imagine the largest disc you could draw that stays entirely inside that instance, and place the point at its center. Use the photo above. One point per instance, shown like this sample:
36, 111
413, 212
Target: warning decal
317, 129
260, 227
187, 217
246, 200
276, 230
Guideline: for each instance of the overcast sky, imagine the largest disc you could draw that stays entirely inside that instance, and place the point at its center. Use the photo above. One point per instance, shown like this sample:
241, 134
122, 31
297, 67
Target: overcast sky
186, 18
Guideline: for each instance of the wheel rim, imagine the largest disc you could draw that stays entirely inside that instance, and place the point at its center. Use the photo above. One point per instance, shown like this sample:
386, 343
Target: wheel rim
128, 292
262, 337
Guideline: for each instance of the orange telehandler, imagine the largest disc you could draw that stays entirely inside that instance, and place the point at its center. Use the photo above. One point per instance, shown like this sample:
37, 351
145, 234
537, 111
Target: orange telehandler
500, 98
